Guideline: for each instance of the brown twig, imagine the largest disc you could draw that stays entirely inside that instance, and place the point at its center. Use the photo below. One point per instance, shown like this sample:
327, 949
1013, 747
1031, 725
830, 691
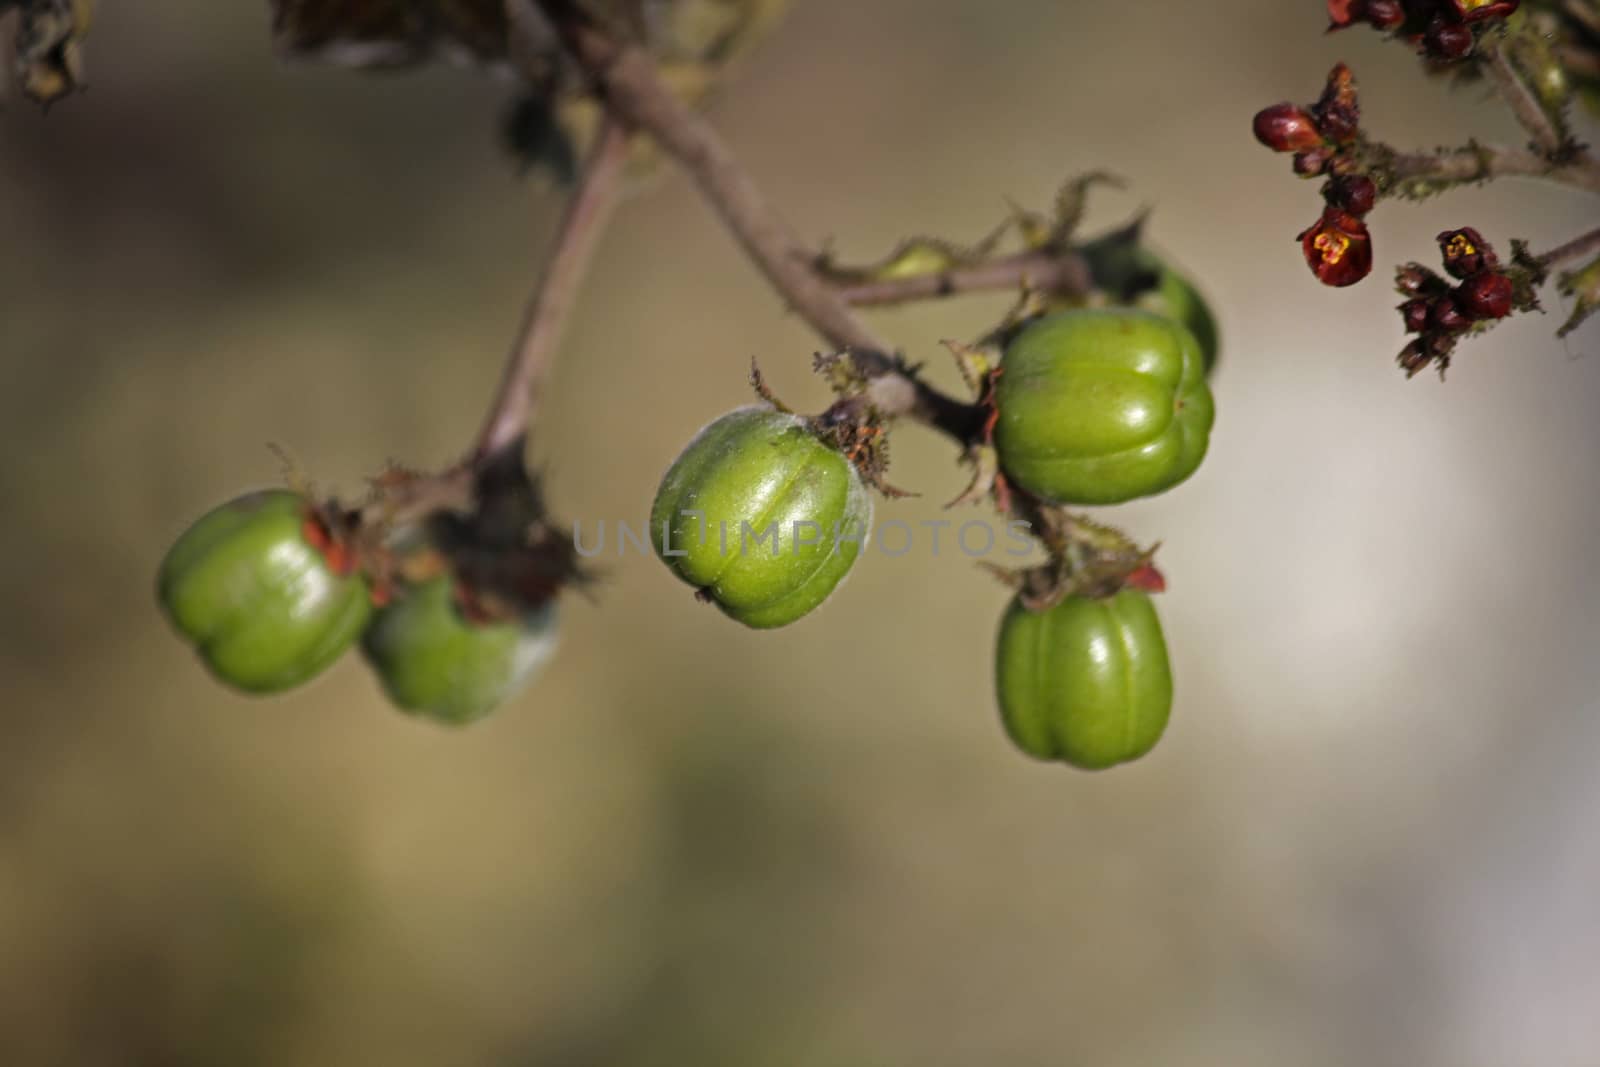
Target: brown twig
517, 399
1586, 14
1055, 272
1577, 248
515, 402
1514, 90
1487, 162
625, 77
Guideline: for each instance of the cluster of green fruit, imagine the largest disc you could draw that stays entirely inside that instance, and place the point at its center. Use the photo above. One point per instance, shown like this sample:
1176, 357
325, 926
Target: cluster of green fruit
1090, 406
270, 595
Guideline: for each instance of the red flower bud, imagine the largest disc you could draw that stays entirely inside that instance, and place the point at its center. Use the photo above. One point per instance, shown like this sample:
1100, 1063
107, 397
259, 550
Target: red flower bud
1486, 296
1309, 163
1477, 10
1354, 193
1286, 128
1466, 252
1386, 14
1414, 278
1439, 345
1342, 164
1341, 84
1338, 123
1445, 316
1414, 313
1342, 13
1338, 249
1413, 357
1448, 40
1336, 112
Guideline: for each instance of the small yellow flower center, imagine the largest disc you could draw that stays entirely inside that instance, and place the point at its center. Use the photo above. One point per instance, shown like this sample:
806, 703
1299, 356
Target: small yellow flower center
1470, 5
1331, 245
1459, 246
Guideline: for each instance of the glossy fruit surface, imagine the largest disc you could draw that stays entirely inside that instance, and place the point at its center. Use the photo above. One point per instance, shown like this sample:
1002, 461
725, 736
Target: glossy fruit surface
1101, 406
1086, 682
433, 661
247, 585
761, 516
1176, 297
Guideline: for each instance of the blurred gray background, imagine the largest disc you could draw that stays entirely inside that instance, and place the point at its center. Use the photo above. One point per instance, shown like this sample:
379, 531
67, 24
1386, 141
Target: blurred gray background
1366, 838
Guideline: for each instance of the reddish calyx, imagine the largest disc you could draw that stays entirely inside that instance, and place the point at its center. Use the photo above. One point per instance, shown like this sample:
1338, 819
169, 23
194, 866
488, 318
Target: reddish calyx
1338, 249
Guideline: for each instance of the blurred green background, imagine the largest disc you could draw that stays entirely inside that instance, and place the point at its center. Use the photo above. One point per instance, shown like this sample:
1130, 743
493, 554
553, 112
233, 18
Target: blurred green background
1366, 838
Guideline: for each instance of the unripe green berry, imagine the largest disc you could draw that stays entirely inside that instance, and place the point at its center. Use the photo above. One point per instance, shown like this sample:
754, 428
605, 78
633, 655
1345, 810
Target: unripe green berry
1176, 297
1102, 406
435, 662
1087, 681
761, 516
251, 586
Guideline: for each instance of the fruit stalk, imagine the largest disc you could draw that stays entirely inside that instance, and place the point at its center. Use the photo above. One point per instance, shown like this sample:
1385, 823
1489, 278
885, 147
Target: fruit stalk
1576, 248
1063, 272
588, 210
626, 79
1514, 90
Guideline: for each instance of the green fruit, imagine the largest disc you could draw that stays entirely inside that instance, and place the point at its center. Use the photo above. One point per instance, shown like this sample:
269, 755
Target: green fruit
1176, 297
1085, 682
1101, 406
259, 601
781, 516
1124, 269
434, 662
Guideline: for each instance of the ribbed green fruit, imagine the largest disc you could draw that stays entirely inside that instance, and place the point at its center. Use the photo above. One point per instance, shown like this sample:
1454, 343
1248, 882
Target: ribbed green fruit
434, 662
1176, 297
761, 516
1102, 406
260, 602
1086, 682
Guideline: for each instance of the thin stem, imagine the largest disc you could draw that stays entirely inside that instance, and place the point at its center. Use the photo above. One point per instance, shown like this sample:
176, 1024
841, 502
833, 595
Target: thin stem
631, 87
627, 80
517, 399
1487, 162
1055, 272
1508, 81
1576, 248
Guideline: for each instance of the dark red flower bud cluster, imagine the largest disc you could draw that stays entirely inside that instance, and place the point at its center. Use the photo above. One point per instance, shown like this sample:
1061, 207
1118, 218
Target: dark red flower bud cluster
1338, 249
1316, 134
1441, 29
1439, 313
